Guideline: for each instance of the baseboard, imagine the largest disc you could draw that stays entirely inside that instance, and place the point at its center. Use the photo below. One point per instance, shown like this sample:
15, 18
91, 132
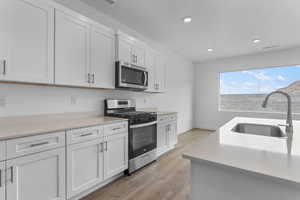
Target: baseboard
97, 187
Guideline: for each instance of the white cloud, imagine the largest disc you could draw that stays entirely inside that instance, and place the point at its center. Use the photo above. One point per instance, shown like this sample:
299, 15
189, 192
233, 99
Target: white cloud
280, 78
261, 76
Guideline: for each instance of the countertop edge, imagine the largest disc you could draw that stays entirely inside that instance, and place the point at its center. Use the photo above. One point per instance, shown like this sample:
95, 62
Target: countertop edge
49, 131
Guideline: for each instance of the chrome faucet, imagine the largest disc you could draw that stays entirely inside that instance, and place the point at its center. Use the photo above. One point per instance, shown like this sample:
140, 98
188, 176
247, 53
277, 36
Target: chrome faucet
289, 121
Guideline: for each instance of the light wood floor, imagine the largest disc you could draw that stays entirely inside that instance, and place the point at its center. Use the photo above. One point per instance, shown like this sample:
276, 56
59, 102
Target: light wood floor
166, 179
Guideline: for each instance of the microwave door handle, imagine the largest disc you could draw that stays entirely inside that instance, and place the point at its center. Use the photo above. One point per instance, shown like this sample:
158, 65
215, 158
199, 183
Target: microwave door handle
146, 78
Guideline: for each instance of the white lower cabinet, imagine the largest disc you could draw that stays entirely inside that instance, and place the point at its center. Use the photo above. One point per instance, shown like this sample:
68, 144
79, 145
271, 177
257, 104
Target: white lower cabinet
115, 154
84, 166
166, 133
38, 176
2, 180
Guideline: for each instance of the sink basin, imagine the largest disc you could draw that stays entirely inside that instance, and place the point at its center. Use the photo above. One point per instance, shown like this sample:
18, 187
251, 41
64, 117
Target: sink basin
259, 129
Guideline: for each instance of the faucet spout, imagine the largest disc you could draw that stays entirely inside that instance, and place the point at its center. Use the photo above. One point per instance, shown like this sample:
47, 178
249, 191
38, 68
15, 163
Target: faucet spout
289, 121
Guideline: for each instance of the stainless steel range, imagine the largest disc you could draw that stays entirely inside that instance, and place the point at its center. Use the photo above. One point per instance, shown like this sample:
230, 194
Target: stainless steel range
142, 132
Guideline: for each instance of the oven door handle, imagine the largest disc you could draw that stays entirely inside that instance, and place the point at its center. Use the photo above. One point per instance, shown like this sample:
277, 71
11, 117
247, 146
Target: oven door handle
143, 125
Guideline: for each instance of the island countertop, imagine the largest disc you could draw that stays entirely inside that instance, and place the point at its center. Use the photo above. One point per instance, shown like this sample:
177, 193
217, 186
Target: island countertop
270, 156
22, 126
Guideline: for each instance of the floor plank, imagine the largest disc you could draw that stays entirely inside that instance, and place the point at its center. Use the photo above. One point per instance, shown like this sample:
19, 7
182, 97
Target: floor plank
166, 179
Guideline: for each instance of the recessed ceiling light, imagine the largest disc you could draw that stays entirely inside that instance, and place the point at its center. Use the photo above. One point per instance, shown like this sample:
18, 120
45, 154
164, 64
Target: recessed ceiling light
255, 41
187, 20
210, 50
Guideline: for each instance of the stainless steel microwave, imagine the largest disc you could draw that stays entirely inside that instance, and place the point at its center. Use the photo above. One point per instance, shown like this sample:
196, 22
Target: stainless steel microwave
131, 77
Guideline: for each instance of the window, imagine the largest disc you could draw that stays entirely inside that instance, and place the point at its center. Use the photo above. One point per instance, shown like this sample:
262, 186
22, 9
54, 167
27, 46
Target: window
246, 90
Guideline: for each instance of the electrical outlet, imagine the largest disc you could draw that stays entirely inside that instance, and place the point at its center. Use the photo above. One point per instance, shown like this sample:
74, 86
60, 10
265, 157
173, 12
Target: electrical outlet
2, 101
73, 100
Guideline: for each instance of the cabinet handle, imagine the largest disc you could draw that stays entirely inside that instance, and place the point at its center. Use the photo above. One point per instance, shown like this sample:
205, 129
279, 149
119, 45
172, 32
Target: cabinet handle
118, 128
39, 144
4, 67
106, 146
86, 134
93, 77
0, 178
89, 78
101, 147
11, 174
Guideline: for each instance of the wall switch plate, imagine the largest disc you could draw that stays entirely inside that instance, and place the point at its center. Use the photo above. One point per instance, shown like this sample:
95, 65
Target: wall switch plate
2, 101
73, 100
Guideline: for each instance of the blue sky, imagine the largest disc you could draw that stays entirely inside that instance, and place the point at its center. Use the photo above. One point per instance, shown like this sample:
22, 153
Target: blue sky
258, 81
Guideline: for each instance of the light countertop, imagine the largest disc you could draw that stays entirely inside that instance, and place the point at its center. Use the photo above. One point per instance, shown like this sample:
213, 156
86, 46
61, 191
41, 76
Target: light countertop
270, 156
14, 127
159, 112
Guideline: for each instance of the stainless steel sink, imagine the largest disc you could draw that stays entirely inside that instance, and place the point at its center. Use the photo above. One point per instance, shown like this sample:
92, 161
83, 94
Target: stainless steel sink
259, 129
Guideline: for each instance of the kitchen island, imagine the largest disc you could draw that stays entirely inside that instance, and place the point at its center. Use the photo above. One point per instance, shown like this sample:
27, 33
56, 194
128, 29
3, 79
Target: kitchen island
233, 166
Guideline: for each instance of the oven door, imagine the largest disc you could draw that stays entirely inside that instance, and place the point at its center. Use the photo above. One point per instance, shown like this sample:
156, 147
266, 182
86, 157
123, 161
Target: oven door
130, 76
142, 138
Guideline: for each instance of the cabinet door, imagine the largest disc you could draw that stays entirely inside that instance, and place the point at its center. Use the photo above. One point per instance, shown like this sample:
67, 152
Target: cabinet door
124, 51
26, 38
115, 154
103, 57
84, 166
162, 139
37, 176
160, 74
139, 54
71, 50
150, 65
2, 180
173, 133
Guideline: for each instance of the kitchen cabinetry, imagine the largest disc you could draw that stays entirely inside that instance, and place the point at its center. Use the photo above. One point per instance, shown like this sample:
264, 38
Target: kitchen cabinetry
37, 176
84, 52
155, 64
166, 133
71, 49
130, 50
26, 38
102, 57
2, 180
115, 154
95, 154
2, 151
85, 166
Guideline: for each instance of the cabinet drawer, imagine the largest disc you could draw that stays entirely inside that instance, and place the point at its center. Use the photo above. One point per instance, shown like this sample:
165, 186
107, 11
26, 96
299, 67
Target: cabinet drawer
115, 128
34, 144
167, 118
172, 117
2, 151
84, 134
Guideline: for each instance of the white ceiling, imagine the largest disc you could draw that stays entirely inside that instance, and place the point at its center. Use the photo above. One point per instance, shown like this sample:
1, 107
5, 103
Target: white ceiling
227, 26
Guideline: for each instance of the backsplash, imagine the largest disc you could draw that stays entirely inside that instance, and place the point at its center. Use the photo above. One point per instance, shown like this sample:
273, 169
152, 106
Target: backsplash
32, 100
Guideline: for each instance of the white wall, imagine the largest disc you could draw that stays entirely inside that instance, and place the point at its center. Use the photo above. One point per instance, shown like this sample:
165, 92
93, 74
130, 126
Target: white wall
207, 114
30, 100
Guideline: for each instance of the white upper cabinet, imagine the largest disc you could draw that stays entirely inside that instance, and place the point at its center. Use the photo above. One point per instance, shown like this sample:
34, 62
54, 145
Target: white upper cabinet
150, 65
160, 74
130, 50
38, 176
72, 49
102, 57
156, 65
124, 50
26, 38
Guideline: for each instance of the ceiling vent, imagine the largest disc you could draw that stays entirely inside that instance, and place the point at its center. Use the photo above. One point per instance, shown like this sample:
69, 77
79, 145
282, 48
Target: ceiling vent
111, 1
